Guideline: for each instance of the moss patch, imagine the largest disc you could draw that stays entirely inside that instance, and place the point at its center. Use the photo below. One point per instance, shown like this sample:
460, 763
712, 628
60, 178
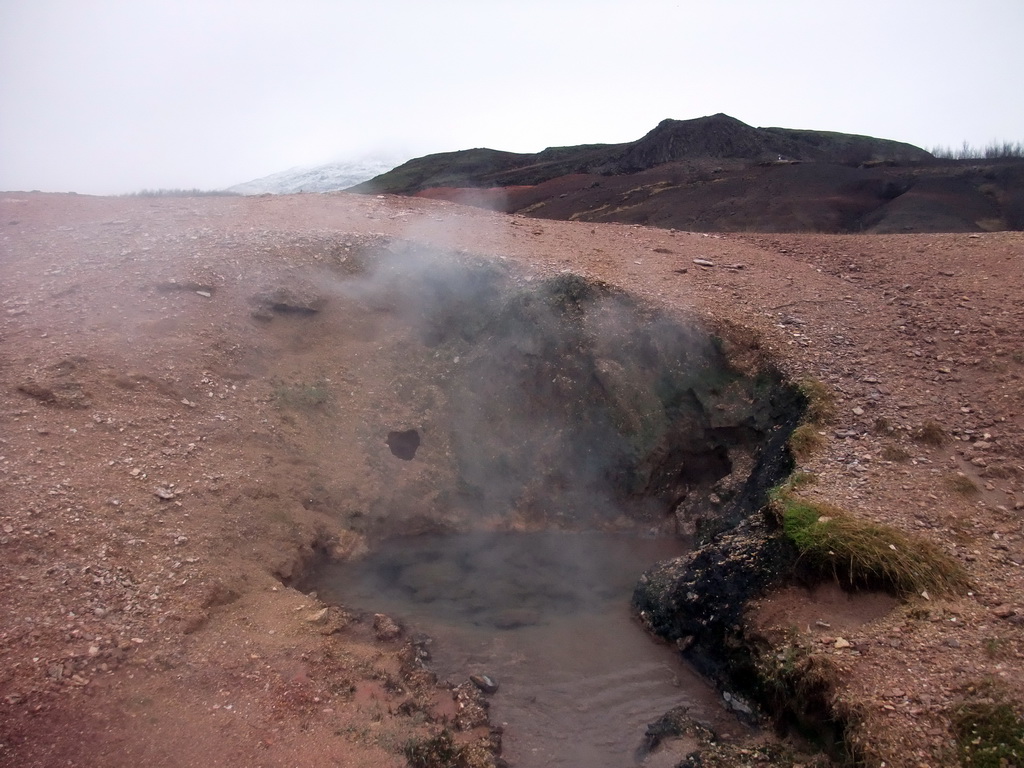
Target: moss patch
821, 403
804, 441
862, 553
441, 751
989, 731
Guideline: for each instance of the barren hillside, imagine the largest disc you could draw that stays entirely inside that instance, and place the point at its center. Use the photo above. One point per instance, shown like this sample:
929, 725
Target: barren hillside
200, 396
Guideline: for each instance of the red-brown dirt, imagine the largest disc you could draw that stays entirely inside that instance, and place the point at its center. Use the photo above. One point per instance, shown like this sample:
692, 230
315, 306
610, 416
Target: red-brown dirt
163, 479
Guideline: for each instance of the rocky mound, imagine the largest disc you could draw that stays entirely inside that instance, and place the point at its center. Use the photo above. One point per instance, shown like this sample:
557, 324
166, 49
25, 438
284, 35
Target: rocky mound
719, 174
718, 137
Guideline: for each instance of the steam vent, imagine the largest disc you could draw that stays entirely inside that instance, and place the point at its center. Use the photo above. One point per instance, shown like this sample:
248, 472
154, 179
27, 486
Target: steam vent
556, 403
532, 407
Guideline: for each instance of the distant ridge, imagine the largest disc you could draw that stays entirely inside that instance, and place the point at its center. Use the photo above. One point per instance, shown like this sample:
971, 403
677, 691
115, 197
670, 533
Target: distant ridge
717, 173
713, 137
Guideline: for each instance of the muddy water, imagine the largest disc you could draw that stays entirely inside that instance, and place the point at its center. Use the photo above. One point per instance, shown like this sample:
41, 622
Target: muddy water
546, 615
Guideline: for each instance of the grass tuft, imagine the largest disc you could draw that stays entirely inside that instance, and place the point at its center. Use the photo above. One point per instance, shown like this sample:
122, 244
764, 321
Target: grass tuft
820, 408
895, 453
801, 479
303, 397
821, 403
989, 731
804, 441
441, 751
865, 554
962, 484
930, 433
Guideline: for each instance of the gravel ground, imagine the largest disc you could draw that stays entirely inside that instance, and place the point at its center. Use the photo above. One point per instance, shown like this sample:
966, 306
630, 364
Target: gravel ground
156, 497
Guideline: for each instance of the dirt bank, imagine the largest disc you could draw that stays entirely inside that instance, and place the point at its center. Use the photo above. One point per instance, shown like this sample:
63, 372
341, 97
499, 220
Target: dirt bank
168, 467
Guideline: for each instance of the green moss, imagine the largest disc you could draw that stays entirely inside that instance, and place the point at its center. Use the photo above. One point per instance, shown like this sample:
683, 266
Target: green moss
862, 553
303, 396
821, 403
989, 731
441, 751
804, 441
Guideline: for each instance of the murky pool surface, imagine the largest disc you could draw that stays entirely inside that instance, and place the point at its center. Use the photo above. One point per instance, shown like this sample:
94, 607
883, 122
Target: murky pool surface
547, 615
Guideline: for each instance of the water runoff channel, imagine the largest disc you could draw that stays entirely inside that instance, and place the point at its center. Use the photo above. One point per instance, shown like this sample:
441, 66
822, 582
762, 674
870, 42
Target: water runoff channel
546, 616
561, 395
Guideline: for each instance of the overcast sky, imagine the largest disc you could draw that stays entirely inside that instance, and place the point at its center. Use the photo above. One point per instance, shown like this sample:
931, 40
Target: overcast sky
110, 96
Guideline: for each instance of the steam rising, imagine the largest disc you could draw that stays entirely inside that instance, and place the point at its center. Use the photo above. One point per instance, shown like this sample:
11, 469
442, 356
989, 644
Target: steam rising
568, 403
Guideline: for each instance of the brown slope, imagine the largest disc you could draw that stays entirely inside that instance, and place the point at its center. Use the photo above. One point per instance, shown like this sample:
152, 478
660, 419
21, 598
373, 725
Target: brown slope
194, 634
736, 196
717, 136
718, 174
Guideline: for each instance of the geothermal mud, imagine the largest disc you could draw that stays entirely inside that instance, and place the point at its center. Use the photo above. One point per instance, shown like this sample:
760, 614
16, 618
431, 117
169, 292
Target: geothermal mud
556, 405
546, 616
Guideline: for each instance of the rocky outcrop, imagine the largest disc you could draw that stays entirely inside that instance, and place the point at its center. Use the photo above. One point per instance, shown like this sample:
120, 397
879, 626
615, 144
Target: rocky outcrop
716, 136
696, 602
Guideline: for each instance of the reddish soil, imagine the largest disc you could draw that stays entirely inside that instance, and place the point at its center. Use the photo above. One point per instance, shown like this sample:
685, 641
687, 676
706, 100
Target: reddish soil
726, 195
163, 477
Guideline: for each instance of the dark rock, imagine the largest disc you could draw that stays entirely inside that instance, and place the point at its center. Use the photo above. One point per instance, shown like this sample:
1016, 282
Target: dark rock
385, 627
699, 599
290, 300
485, 683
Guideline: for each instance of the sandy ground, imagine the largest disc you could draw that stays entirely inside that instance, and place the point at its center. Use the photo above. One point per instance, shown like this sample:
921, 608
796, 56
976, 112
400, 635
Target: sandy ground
156, 497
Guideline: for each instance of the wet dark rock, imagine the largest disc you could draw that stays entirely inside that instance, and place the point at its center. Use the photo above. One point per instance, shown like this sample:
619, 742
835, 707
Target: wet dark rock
703, 749
698, 600
572, 390
289, 300
485, 683
385, 627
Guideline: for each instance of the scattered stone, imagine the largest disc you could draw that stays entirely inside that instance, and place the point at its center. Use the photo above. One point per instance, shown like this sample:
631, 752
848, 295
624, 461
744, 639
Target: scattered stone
471, 706
485, 683
703, 263
842, 643
319, 617
164, 493
385, 627
737, 704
